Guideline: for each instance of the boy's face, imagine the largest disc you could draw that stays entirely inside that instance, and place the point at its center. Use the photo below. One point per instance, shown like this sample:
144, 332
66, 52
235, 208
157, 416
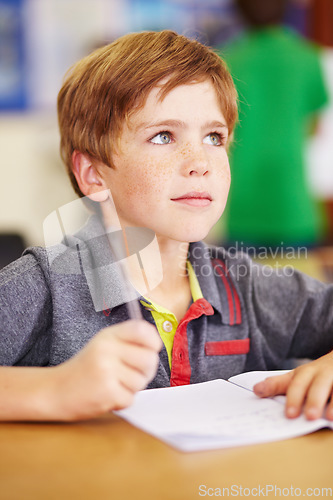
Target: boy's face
171, 172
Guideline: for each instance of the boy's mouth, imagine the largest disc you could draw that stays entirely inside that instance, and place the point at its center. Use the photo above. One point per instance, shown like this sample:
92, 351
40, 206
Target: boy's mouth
194, 199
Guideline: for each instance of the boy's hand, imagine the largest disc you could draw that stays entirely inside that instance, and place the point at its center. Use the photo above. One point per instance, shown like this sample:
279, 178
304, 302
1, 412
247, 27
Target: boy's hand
110, 369
308, 388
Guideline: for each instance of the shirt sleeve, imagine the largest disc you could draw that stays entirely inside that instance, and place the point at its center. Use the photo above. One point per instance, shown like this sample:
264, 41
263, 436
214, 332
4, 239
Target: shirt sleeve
25, 313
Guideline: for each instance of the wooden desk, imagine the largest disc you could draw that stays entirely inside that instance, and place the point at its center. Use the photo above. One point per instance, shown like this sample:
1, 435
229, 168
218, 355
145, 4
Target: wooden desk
109, 459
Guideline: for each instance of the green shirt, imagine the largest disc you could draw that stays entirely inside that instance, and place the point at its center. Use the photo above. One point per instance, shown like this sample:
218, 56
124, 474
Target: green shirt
280, 85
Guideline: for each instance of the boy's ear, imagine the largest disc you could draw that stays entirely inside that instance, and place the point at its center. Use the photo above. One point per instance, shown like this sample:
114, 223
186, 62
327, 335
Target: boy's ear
88, 178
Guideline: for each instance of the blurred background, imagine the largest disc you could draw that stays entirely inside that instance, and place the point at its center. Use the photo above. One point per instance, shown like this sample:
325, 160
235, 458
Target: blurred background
40, 39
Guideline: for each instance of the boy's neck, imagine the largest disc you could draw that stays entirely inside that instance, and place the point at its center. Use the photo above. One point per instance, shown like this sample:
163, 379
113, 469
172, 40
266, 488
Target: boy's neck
172, 256
173, 291
162, 273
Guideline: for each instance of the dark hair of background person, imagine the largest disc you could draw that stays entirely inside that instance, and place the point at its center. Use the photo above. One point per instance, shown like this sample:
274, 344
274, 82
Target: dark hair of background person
262, 12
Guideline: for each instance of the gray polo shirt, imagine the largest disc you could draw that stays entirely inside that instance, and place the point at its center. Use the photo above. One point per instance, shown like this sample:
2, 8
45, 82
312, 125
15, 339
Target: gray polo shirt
52, 302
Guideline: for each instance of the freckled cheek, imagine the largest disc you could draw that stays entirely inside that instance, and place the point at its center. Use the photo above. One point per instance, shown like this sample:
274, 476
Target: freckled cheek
224, 175
228, 177
146, 181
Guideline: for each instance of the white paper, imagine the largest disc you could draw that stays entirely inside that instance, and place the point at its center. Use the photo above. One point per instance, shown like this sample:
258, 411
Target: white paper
213, 414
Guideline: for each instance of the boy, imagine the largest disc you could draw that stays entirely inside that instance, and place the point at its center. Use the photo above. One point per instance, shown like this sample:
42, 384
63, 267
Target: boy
147, 119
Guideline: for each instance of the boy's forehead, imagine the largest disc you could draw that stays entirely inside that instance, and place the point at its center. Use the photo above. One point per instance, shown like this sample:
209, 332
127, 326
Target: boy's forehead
156, 101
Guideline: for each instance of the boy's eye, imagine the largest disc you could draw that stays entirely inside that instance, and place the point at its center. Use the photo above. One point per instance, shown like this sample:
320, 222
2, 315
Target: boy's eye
161, 138
214, 139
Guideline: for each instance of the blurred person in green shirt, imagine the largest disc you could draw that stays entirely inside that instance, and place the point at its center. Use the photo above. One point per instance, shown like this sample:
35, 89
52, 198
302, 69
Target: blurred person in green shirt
281, 89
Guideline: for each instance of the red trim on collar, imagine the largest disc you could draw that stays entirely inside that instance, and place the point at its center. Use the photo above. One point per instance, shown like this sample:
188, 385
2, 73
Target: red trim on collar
235, 313
180, 366
106, 311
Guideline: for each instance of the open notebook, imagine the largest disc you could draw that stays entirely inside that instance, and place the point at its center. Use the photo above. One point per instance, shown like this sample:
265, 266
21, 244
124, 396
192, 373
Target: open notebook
216, 414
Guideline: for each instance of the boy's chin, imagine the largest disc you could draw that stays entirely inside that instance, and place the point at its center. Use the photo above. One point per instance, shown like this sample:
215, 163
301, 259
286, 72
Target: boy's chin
195, 235
189, 233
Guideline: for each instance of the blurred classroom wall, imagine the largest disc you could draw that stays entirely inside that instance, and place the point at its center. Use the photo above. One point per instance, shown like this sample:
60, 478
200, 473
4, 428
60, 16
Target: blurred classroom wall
40, 39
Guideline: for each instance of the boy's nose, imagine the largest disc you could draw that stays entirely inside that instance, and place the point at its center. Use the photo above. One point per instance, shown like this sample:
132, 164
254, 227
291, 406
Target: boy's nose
195, 163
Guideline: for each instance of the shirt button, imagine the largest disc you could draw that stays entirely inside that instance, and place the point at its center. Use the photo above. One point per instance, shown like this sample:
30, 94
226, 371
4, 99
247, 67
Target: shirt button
167, 326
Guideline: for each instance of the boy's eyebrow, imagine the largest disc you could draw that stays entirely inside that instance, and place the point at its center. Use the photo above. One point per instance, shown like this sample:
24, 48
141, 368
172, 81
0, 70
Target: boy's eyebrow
178, 124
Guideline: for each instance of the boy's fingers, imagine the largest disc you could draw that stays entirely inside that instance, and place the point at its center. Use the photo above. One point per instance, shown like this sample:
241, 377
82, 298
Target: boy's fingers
140, 359
329, 409
297, 392
122, 398
317, 397
294, 384
138, 332
132, 380
273, 386
303, 387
